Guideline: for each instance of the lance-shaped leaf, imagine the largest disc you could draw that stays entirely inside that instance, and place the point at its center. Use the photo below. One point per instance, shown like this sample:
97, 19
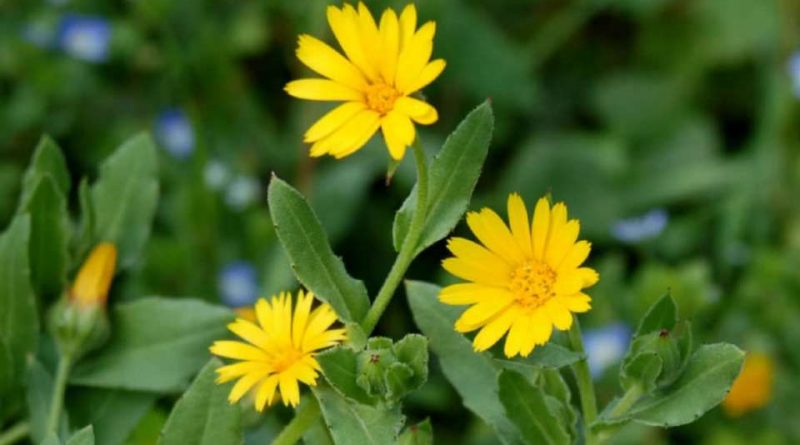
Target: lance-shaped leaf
702, 386
19, 323
82, 437
113, 413
203, 415
311, 256
663, 314
452, 178
124, 198
355, 424
47, 160
156, 345
525, 405
473, 375
549, 355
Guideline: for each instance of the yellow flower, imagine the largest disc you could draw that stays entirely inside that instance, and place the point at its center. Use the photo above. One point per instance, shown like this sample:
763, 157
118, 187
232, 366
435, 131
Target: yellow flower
753, 388
279, 349
524, 281
383, 65
94, 278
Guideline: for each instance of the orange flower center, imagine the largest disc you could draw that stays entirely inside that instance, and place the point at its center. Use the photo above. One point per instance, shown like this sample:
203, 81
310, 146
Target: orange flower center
532, 283
285, 359
381, 98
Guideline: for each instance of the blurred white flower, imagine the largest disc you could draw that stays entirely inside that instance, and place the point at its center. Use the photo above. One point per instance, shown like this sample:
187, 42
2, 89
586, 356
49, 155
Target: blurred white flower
606, 346
216, 175
242, 192
175, 133
641, 228
85, 37
794, 72
238, 285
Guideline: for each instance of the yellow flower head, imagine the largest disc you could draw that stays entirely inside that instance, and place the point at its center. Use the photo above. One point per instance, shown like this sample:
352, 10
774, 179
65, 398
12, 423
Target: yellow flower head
383, 65
94, 278
524, 280
278, 350
753, 388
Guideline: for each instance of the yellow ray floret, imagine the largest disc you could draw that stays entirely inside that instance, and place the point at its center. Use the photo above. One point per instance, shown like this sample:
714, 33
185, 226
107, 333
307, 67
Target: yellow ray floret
381, 66
523, 278
278, 349
753, 388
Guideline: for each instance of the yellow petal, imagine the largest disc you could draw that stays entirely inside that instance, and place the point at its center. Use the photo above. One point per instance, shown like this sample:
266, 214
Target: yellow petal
539, 330
324, 340
414, 56
559, 315
398, 132
244, 384
470, 293
568, 283
408, 24
390, 45
495, 329
333, 120
326, 61
319, 321
475, 253
94, 278
421, 112
230, 372
590, 277
494, 234
540, 227
516, 340
473, 272
266, 392
355, 133
427, 75
369, 36
518, 220
302, 312
345, 27
304, 373
237, 350
290, 392
579, 302
322, 89
576, 256
481, 313
249, 332
561, 242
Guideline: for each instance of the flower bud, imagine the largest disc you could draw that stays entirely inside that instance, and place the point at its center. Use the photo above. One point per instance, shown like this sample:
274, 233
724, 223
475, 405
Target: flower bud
94, 279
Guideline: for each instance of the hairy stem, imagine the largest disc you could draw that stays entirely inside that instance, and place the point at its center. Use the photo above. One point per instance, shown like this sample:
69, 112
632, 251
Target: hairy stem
15, 433
59, 387
304, 418
409, 247
585, 385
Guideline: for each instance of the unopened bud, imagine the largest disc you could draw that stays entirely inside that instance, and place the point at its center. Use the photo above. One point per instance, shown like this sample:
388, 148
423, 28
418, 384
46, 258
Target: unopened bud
94, 279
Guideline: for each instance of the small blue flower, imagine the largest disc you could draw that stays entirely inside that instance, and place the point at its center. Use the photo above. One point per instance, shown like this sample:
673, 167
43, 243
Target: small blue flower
238, 285
175, 133
794, 72
85, 37
606, 346
641, 228
216, 175
242, 192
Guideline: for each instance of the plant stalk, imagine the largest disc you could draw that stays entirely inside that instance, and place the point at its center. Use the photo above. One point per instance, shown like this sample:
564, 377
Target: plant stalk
304, 418
409, 247
631, 396
15, 433
59, 387
585, 385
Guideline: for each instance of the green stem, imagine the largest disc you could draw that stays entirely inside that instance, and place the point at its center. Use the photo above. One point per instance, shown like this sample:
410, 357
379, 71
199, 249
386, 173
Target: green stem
409, 247
304, 418
631, 396
15, 433
59, 387
585, 385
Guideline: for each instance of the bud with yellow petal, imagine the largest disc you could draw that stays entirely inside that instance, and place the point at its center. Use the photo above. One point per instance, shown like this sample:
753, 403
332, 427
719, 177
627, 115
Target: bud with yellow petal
79, 321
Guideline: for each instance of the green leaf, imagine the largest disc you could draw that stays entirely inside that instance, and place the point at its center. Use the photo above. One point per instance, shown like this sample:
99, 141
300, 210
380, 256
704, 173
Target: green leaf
203, 415
51, 439
412, 350
339, 366
47, 160
643, 370
474, 376
419, 434
525, 406
125, 197
705, 382
549, 355
38, 396
559, 399
113, 413
82, 437
663, 314
356, 424
83, 243
157, 344
19, 322
452, 178
311, 256
49, 241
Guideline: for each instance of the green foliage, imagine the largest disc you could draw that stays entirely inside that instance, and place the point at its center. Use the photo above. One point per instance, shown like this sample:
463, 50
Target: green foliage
47, 160
526, 406
19, 321
418, 434
311, 256
157, 344
352, 423
113, 414
124, 198
464, 152
203, 415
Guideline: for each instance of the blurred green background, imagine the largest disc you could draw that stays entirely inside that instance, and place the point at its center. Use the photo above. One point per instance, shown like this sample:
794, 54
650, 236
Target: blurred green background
669, 127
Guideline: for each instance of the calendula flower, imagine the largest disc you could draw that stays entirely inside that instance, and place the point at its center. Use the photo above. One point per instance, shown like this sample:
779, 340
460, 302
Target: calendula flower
278, 350
94, 278
383, 65
753, 388
524, 280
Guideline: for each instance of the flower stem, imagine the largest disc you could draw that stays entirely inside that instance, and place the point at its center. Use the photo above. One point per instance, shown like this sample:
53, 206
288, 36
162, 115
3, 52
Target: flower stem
15, 433
59, 387
304, 418
585, 385
409, 247
631, 396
